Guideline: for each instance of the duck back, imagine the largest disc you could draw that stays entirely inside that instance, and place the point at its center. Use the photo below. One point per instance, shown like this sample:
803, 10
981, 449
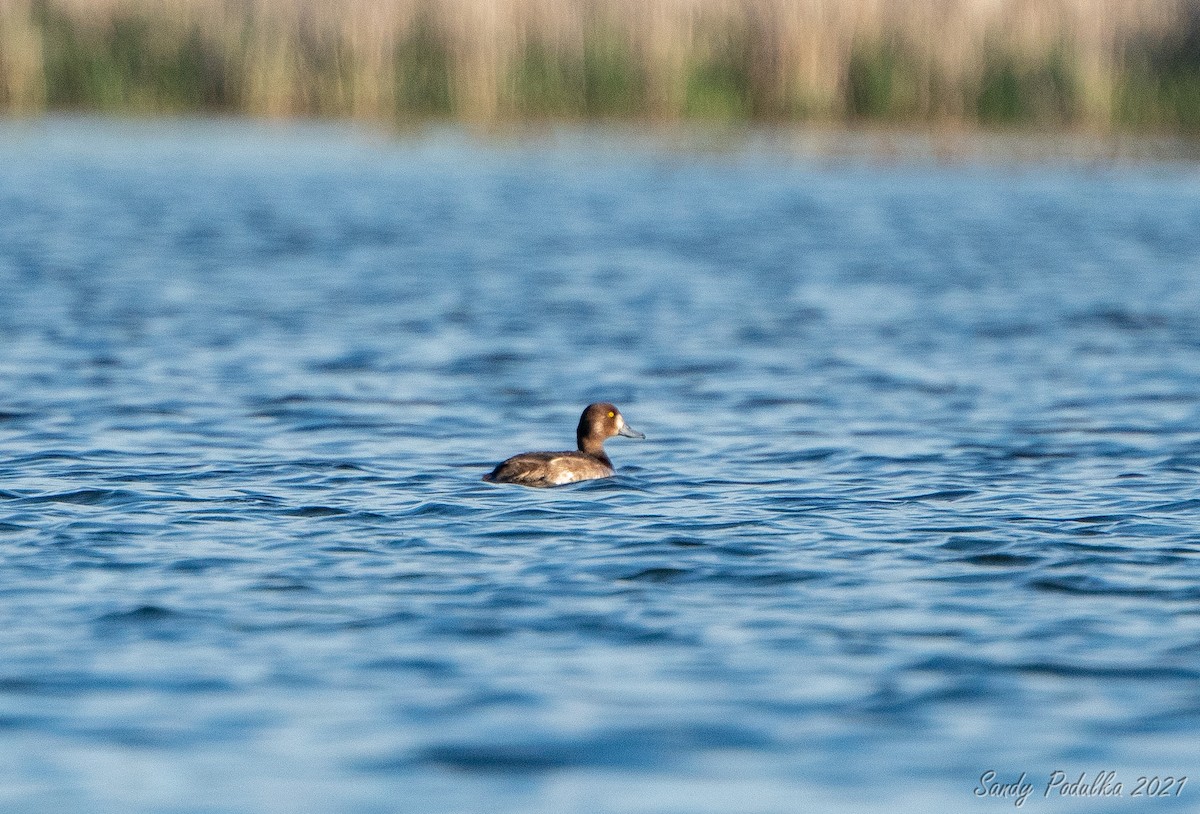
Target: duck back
549, 469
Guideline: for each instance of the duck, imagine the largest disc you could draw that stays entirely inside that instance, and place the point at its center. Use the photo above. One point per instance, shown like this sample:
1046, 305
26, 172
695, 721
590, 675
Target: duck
599, 422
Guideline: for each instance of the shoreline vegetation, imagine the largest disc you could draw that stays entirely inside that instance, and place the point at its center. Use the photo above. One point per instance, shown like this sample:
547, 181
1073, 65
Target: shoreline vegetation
1125, 65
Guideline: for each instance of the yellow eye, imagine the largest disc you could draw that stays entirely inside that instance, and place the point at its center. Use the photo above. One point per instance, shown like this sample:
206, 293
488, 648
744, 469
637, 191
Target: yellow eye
611, 414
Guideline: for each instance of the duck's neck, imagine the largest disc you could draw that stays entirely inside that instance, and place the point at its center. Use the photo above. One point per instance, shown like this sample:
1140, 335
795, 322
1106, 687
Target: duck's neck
592, 446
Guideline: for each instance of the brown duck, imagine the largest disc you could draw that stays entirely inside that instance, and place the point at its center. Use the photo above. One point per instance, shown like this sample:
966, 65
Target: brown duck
599, 422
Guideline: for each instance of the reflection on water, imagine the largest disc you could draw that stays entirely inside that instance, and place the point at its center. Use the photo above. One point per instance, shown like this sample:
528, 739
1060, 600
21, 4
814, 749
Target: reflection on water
918, 497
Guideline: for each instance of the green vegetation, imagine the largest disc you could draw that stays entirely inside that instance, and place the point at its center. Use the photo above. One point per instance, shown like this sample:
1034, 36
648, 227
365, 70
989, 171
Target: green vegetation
547, 82
1011, 92
698, 59
881, 83
119, 68
613, 82
1161, 89
423, 73
717, 84
600, 80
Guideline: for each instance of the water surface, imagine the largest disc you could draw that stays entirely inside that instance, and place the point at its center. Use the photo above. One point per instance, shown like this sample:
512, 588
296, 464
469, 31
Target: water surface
918, 499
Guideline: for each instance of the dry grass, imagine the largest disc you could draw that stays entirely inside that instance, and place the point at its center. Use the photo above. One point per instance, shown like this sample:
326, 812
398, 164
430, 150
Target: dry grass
1096, 63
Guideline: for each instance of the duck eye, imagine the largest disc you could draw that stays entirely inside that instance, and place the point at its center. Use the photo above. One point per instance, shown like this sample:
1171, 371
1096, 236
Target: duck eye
611, 414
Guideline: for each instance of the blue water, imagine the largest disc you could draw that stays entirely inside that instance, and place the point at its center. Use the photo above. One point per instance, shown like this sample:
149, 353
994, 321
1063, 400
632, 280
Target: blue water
919, 497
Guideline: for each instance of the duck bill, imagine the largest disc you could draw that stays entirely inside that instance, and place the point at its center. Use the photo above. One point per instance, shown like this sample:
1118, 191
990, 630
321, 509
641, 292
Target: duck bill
630, 432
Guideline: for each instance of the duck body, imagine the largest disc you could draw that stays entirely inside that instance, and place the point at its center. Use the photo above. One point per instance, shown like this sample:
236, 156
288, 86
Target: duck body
599, 421
549, 469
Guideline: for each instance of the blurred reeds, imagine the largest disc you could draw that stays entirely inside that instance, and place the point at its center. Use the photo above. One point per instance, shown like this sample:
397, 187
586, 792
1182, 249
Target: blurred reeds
1074, 63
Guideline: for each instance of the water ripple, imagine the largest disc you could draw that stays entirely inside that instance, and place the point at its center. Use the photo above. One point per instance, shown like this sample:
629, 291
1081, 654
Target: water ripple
917, 499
